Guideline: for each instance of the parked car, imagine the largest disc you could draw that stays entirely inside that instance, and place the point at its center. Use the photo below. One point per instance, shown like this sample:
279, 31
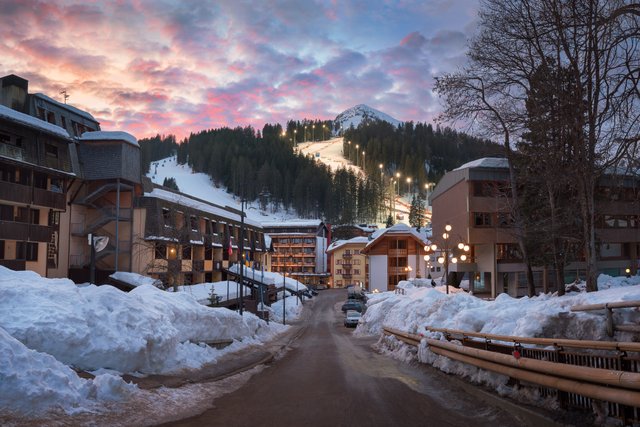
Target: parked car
352, 318
353, 305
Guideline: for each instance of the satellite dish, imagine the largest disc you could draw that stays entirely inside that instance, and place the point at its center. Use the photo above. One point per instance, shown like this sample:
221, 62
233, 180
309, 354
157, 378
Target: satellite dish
100, 242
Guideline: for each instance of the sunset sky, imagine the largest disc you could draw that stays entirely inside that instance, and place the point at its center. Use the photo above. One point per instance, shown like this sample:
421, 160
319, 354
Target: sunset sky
172, 67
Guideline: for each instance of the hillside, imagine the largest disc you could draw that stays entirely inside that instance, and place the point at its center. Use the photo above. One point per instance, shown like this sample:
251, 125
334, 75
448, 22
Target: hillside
361, 113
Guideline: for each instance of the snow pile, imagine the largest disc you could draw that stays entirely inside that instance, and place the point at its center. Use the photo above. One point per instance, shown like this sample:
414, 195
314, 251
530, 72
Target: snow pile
48, 325
415, 307
33, 382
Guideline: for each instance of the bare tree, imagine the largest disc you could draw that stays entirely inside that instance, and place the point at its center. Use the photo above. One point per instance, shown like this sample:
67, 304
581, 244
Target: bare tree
597, 42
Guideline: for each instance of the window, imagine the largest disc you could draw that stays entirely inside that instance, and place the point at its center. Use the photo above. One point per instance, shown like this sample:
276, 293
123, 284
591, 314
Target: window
186, 252
6, 213
339, 271
400, 244
22, 215
356, 271
347, 252
160, 251
51, 117
505, 219
64, 121
338, 261
40, 180
356, 262
51, 151
166, 217
508, 252
34, 216
208, 253
54, 218
41, 113
482, 219
27, 251
193, 222
24, 177
1, 249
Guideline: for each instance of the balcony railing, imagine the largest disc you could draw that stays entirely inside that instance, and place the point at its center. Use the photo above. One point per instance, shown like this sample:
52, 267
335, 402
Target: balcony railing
10, 230
49, 199
397, 253
15, 192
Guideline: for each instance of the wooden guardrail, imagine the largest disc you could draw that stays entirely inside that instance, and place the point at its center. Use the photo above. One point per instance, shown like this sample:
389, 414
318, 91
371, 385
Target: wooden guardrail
609, 307
617, 386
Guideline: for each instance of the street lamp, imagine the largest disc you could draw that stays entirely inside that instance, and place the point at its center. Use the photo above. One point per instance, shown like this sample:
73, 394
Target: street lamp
357, 152
349, 152
446, 254
295, 137
363, 160
313, 133
305, 134
408, 184
324, 126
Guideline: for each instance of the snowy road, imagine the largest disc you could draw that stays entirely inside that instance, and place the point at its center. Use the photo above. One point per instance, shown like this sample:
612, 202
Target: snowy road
330, 377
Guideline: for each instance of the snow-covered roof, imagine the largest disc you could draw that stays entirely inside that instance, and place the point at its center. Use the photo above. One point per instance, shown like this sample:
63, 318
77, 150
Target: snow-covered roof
109, 136
360, 240
31, 121
399, 228
293, 223
135, 279
486, 162
66, 106
267, 241
185, 200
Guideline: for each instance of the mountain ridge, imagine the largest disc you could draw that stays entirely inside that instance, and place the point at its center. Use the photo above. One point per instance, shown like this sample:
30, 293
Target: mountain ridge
361, 113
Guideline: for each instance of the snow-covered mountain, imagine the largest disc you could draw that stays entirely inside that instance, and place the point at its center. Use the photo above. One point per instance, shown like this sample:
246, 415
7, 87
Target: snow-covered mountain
361, 113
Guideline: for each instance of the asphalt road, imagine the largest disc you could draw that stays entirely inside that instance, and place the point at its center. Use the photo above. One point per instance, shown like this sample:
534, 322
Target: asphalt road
331, 378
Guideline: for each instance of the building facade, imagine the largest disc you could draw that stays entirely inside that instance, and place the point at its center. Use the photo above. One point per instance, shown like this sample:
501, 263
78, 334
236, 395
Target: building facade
347, 265
395, 254
464, 200
299, 250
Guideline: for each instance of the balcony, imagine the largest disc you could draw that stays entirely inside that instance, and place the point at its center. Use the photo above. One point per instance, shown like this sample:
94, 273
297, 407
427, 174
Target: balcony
21, 231
14, 264
15, 192
49, 199
347, 255
396, 253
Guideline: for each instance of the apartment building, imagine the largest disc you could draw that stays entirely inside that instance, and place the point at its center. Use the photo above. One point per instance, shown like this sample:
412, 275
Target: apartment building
347, 265
182, 239
299, 250
395, 254
463, 199
62, 179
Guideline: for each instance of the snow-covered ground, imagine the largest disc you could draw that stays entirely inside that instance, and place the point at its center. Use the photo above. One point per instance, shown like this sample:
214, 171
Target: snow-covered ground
547, 316
328, 152
49, 328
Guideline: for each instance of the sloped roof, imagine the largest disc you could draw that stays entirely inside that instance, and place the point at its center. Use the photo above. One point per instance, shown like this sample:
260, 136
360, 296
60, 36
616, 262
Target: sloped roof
109, 136
32, 122
398, 229
360, 240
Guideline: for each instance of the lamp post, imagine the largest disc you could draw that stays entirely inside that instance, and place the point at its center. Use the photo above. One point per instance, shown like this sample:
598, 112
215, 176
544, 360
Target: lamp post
408, 184
313, 133
398, 181
304, 138
324, 127
363, 160
357, 152
445, 253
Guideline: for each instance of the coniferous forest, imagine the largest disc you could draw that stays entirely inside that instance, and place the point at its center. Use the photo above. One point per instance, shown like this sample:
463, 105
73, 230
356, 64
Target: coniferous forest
264, 165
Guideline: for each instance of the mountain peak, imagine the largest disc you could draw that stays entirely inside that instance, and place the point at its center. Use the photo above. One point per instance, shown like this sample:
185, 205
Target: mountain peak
361, 113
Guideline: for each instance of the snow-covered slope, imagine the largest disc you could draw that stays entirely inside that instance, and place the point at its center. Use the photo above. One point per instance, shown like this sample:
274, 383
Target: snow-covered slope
361, 113
199, 185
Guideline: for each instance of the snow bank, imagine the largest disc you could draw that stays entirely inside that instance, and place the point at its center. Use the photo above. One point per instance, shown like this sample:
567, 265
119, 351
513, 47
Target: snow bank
147, 330
34, 382
544, 315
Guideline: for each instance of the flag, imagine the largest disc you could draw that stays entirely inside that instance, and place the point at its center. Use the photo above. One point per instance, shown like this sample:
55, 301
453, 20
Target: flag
229, 248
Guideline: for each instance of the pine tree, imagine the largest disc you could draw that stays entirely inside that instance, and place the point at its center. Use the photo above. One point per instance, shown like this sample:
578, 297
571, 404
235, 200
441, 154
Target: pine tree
170, 182
389, 222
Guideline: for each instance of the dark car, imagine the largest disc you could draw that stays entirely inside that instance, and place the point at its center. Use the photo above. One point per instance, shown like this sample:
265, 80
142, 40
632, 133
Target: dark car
353, 305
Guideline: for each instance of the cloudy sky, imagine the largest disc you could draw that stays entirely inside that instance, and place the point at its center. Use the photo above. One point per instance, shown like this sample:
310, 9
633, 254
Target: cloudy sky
169, 66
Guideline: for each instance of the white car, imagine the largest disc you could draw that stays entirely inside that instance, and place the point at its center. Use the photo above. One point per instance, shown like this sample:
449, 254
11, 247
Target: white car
352, 318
